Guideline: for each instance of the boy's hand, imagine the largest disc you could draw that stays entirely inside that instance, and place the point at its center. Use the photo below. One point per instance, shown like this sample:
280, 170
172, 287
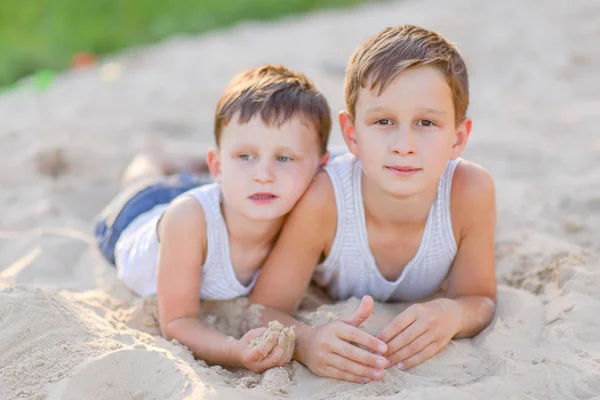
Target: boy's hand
332, 350
420, 332
258, 352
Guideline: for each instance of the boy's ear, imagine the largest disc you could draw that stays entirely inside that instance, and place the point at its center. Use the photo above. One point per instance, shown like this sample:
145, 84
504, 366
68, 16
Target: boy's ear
214, 164
347, 127
324, 159
463, 131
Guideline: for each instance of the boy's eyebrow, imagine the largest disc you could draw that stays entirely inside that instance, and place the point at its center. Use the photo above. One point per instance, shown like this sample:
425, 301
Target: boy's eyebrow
251, 147
426, 110
288, 149
434, 111
242, 146
376, 109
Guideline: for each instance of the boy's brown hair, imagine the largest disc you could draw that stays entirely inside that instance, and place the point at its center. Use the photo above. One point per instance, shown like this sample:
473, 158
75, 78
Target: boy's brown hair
380, 58
276, 94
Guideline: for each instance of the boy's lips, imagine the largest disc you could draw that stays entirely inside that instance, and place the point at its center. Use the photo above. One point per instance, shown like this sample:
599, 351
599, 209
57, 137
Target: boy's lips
262, 197
402, 170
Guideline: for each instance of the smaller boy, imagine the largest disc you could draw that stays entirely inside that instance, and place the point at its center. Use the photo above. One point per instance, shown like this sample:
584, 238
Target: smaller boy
183, 241
395, 219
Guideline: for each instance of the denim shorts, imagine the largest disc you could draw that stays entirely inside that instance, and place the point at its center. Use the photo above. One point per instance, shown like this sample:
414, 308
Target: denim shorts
135, 200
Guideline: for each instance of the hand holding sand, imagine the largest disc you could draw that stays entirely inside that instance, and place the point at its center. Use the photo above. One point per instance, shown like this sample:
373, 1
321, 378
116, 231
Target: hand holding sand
264, 348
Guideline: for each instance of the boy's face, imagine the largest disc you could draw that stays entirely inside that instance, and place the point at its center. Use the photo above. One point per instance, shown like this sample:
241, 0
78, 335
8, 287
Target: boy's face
263, 170
406, 136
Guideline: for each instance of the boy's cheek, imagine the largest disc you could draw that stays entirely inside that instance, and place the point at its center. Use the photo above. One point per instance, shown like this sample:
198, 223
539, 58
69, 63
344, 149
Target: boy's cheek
295, 185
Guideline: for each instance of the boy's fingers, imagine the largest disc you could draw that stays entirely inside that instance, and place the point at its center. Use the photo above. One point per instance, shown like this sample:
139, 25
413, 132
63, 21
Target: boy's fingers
360, 337
262, 349
354, 353
254, 333
354, 368
364, 310
411, 348
333, 372
289, 345
422, 356
282, 344
272, 359
399, 323
406, 337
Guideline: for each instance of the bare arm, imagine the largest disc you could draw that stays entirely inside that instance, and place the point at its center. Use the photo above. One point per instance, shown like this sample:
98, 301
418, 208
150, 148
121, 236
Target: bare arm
472, 279
287, 272
182, 233
327, 350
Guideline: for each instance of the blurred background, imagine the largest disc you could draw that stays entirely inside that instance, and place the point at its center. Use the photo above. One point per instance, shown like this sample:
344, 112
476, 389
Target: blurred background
41, 36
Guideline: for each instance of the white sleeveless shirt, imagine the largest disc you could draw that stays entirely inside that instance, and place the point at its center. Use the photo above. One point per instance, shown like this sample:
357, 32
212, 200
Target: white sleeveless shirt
350, 269
136, 251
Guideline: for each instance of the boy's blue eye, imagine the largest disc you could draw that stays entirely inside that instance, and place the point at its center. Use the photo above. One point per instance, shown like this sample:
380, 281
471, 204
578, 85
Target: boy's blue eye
425, 123
284, 158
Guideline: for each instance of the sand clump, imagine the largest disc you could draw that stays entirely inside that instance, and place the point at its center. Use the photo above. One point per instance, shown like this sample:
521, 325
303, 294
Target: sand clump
286, 338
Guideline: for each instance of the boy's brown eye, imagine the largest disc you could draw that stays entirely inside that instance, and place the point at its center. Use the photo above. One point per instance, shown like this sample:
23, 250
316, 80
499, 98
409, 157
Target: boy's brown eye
383, 121
426, 123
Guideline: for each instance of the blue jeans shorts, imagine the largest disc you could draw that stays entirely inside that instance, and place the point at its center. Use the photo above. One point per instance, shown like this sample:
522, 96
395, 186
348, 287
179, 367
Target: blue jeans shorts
135, 200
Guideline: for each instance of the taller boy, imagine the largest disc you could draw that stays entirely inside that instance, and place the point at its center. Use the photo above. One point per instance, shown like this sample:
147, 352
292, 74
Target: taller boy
396, 218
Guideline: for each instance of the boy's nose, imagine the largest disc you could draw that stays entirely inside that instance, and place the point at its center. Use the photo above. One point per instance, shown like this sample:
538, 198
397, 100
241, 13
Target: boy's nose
263, 173
404, 142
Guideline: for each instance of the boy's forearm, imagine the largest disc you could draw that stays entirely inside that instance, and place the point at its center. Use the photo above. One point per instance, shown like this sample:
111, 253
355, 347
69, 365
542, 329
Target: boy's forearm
207, 344
475, 313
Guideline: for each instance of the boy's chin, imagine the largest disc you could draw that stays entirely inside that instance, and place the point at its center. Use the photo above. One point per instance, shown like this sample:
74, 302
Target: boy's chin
404, 189
265, 214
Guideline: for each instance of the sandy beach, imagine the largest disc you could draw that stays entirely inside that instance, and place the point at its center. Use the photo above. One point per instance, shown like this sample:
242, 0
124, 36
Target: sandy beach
70, 330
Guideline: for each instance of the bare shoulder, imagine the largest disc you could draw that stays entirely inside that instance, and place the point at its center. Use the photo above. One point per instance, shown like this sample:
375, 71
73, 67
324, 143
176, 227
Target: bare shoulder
184, 217
473, 196
471, 183
319, 199
182, 236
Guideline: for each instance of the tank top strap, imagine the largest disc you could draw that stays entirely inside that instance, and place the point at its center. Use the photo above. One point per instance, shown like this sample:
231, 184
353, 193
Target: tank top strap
444, 205
209, 197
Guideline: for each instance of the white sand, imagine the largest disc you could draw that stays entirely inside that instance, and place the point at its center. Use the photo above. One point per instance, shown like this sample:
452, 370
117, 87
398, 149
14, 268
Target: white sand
70, 330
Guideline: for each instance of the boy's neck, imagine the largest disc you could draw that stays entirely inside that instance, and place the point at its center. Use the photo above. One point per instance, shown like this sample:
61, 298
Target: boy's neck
250, 232
382, 207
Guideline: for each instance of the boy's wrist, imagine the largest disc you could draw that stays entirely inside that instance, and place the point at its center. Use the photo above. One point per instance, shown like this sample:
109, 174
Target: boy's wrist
459, 316
303, 341
235, 353
464, 311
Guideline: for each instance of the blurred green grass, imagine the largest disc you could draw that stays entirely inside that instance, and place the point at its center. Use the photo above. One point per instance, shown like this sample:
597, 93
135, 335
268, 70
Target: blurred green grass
45, 34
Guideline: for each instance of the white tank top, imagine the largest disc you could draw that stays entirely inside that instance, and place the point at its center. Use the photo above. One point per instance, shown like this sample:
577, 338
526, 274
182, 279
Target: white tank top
136, 251
350, 269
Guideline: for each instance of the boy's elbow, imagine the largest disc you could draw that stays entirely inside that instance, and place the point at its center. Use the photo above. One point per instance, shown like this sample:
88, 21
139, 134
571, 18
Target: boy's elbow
172, 329
167, 332
491, 304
